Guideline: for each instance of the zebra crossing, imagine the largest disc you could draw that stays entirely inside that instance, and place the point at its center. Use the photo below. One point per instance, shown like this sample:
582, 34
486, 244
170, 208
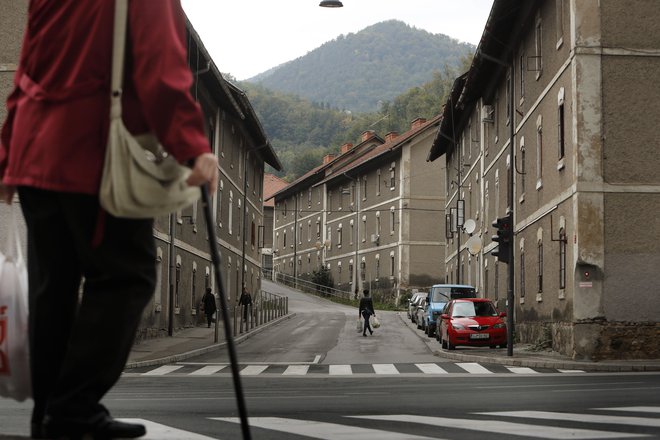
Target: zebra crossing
592, 423
301, 370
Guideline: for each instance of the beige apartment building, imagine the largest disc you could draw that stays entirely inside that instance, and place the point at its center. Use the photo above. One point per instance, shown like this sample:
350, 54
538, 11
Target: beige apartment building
184, 267
570, 87
369, 215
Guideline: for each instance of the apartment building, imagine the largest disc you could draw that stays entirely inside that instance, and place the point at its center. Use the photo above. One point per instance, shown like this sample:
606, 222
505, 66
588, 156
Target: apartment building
184, 267
272, 184
368, 215
548, 125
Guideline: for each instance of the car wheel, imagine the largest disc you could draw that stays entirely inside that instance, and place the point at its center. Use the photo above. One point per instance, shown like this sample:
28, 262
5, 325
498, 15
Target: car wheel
493, 346
437, 336
450, 346
430, 332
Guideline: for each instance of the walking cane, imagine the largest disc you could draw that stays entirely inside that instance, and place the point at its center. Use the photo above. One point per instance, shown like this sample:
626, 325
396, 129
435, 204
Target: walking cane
215, 257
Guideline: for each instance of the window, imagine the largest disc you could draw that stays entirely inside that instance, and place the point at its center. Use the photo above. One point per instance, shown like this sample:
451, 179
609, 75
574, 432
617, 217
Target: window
284, 211
562, 258
393, 176
352, 234
230, 213
177, 280
561, 139
539, 154
377, 267
193, 288
363, 270
508, 96
538, 35
392, 268
522, 270
378, 223
239, 213
540, 268
378, 183
350, 272
392, 220
329, 202
300, 233
220, 204
522, 168
559, 4
339, 236
309, 230
318, 229
329, 236
309, 198
521, 74
364, 228
253, 234
284, 238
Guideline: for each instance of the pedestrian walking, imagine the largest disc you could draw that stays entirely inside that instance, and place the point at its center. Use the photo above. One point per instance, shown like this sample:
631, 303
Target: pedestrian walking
52, 153
246, 301
209, 306
366, 309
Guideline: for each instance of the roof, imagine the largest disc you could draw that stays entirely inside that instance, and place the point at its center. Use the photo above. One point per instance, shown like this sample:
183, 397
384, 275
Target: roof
382, 150
272, 184
491, 59
235, 101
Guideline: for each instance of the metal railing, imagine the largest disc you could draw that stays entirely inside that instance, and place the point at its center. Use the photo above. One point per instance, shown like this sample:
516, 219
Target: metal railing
266, 307
309, 287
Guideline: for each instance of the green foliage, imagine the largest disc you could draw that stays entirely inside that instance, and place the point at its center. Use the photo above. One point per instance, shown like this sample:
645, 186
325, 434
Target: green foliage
323, 277
359, 70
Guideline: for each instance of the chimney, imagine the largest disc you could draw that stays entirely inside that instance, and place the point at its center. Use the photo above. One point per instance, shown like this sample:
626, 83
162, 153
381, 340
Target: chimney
391, 136
417, 123
328, 158
344, 148
368, 135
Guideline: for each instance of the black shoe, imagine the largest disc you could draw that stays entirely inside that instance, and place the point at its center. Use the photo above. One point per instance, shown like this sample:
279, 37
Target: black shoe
100, 427
371, 332
364, 334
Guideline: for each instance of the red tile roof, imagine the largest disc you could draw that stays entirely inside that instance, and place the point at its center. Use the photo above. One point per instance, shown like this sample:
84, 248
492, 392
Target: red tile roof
272, 184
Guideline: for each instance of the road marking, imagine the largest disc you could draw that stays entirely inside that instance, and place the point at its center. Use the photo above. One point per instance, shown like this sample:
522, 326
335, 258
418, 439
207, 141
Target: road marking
160, 371
474, 368
322, 430
253, 370
507, 428
296, 370
570, 371
588, 418
521, 370
340, 370
156, 431
385, 369
317, 359
208, 370
430, 369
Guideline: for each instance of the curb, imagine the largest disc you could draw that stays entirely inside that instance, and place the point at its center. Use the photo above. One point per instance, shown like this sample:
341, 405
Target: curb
187, 355
536, 362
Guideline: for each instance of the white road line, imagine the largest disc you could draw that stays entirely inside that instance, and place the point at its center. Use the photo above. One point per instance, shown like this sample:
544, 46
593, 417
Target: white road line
322, 430
160, 371
208, 370
646, 409
521, 370
507, 428
317, 359
430, 369
587, 418
296, 370
340, 370
253, 370
570, 371
474, 368
156, 431
385, 369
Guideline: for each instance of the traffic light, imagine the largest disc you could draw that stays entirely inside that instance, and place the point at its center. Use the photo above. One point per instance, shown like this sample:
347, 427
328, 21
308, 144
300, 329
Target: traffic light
503, 238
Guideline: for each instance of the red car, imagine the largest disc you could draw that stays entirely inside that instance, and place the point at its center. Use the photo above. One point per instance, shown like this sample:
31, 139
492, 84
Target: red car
472, 321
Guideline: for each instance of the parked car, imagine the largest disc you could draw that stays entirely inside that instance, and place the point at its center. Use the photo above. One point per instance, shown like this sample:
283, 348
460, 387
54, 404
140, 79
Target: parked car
472, 321
419, 313
413, 302
438, 297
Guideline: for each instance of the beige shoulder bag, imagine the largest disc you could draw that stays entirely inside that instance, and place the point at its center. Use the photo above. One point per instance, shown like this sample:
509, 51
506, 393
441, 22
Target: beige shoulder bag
140, 179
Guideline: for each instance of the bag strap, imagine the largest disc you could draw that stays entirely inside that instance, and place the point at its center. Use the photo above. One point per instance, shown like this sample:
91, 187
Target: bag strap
118, 49
13, 251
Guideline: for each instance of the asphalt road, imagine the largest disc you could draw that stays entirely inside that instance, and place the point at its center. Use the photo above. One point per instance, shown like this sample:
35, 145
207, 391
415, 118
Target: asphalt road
385, 387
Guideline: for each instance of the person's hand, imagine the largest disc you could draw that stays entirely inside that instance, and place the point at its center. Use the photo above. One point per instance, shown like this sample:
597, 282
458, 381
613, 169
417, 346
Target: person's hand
7, 193
205, 170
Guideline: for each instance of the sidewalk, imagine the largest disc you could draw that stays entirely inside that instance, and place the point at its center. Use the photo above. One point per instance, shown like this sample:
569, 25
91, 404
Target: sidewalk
525, 356
187, 343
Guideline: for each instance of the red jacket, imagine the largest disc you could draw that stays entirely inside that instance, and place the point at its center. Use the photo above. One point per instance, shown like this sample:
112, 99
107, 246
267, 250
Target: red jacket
55, 134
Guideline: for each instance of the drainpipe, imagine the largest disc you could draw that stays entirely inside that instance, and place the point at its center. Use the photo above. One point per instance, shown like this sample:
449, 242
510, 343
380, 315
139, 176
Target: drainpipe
170, 280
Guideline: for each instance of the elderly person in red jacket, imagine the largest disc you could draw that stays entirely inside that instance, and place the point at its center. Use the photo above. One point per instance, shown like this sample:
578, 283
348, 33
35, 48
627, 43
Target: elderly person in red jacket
52, 152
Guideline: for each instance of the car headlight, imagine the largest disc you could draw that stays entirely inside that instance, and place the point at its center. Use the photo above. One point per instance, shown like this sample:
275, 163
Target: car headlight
458, 326
500, 325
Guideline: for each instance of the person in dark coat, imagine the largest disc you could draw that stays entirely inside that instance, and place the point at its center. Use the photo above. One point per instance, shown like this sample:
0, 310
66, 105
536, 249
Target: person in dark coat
366, 309
246, 301
52, 150
209, 305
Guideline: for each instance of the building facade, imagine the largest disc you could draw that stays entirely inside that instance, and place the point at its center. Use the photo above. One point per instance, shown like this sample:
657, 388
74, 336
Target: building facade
272, 184
548, 125
368, 215
184, 267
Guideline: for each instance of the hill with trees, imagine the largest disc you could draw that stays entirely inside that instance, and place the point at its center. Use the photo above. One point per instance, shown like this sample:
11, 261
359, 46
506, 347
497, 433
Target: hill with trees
359, 71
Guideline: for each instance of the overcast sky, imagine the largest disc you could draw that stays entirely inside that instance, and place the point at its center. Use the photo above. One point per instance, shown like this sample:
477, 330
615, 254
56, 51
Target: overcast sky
247, 37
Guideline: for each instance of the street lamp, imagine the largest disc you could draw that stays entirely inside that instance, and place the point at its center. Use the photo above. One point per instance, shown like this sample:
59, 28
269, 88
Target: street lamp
331, 4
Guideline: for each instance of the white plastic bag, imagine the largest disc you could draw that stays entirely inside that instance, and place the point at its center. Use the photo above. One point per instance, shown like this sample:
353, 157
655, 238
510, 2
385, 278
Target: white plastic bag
14, 354
375, 323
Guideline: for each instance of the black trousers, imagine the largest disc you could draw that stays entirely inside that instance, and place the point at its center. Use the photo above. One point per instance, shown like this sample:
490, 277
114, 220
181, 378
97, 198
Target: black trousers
81, 332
